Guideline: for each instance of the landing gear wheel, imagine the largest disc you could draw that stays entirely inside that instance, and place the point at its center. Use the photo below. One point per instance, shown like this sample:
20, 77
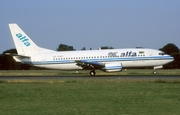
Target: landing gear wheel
92, 73
154, 72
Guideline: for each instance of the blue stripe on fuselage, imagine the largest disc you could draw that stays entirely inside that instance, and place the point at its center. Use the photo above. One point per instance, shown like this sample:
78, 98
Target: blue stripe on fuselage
107, 59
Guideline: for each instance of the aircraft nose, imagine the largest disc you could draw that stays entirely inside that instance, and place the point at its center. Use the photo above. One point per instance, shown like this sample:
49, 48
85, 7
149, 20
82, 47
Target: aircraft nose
171, 58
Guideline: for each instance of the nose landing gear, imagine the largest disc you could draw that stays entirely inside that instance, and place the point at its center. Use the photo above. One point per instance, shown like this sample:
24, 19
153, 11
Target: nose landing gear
157, 67
154, 72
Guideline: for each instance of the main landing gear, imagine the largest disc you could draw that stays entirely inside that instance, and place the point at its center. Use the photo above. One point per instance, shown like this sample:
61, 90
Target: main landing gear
92, 73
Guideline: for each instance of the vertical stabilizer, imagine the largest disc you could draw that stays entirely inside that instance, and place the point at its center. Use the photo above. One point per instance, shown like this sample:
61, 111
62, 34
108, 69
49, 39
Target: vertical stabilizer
23, 43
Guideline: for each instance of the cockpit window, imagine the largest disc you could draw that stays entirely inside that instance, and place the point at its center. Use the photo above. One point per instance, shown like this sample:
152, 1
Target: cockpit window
161, 53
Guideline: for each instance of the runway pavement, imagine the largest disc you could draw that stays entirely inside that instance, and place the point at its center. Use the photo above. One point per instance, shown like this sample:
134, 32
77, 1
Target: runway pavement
88, 77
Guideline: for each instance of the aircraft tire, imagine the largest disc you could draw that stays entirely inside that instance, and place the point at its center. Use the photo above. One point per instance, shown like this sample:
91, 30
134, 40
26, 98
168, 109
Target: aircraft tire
154, 72
92, 73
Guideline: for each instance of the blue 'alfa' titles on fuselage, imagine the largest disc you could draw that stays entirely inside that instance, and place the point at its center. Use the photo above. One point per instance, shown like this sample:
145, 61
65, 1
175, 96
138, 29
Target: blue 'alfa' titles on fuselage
123, 54
128, 54
23, 39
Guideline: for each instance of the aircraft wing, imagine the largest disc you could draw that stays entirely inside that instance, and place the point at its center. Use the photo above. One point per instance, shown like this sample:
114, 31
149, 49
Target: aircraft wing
107, 67
90, 64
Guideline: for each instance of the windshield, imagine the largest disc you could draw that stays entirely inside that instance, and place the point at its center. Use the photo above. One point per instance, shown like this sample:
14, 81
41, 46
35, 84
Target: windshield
161, 53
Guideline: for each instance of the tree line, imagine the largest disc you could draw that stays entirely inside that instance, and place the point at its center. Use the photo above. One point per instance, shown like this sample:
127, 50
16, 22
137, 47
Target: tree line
64, 47
8, 63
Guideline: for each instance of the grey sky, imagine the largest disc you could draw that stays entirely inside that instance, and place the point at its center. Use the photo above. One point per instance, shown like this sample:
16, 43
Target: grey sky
93, 23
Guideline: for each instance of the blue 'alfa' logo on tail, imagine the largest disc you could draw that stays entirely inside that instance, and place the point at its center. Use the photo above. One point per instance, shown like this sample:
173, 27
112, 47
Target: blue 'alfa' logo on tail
23, 39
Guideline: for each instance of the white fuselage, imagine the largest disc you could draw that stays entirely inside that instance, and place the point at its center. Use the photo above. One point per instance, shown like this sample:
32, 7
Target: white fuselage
132, 57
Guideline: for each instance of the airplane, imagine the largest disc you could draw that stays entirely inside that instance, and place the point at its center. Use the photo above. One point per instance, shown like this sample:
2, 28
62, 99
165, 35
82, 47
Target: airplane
110, 60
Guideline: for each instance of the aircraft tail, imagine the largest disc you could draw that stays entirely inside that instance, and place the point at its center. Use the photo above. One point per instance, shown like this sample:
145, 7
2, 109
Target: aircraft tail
23, 43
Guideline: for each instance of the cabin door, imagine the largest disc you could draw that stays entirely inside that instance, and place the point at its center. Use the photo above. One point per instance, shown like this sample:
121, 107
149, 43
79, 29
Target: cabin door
44, 60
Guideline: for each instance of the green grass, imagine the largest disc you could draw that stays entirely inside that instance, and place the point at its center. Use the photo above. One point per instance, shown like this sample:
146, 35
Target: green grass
86, 73
90, 97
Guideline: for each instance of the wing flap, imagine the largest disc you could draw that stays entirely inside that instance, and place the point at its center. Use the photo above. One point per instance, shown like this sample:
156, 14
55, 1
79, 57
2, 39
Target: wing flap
90, 64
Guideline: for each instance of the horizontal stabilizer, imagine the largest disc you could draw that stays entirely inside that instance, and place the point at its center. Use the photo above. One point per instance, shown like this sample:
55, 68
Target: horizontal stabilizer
22, 56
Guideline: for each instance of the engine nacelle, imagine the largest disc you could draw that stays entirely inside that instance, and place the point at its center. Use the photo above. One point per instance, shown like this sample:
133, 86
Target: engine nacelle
112, 67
